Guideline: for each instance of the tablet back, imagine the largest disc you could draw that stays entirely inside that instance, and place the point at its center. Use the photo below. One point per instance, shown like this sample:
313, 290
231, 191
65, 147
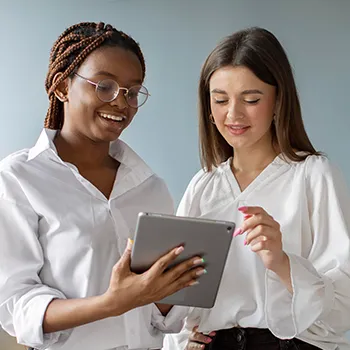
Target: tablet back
156, 234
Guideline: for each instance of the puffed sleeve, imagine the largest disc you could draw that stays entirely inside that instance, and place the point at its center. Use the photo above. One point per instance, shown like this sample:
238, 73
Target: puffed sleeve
321, 282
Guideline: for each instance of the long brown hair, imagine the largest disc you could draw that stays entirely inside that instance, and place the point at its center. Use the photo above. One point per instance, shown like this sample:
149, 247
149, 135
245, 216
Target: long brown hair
261, 52
70, 50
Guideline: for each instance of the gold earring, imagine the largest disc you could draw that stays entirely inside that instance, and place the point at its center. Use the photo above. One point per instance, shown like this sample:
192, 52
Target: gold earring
211, 118
61, 97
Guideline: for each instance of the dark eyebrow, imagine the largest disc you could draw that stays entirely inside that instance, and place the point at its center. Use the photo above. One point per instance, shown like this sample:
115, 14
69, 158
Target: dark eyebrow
102, 72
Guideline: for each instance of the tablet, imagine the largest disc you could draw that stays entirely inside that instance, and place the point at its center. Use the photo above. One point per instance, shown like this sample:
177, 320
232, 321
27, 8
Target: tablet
157, 234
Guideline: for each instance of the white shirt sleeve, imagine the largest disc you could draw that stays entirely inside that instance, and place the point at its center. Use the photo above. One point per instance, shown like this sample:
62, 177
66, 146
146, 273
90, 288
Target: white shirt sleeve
321, 283
176, 341
23, 297
172, 322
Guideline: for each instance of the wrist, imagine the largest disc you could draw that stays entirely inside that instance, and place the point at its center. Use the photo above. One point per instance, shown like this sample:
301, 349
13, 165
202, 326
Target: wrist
113, 306
282, 269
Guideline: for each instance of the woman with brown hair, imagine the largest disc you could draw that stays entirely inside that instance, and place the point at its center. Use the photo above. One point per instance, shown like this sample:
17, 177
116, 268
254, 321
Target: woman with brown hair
286, 284
68, 207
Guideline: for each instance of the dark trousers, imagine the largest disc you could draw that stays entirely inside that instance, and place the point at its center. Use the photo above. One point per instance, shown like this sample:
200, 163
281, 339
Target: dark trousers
253, 339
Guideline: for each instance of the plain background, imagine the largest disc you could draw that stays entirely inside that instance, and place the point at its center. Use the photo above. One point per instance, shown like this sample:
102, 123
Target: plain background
176, 36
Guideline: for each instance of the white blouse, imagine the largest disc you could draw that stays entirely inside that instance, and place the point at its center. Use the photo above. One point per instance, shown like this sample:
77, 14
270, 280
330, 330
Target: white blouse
311, 202
60, 237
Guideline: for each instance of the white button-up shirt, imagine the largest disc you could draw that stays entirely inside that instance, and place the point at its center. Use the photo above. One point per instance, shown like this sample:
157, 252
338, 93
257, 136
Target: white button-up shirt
60, 238
311, 202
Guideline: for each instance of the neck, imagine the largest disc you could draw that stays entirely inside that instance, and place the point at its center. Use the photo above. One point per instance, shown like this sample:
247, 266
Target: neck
80, 150
255, 158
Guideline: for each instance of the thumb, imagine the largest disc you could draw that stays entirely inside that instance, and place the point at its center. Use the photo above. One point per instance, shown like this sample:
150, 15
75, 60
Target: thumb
125, 260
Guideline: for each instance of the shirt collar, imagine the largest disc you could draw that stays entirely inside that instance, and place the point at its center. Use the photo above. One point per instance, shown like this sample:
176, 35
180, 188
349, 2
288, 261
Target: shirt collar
119, 150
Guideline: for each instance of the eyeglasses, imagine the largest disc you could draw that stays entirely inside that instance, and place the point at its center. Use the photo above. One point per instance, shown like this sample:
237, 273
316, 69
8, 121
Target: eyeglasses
107, 90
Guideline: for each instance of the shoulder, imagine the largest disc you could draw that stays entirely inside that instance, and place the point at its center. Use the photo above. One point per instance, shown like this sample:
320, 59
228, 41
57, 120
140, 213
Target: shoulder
12, 170
321, 174
157, 184
313, 165
318, 168
204, 178
14, 161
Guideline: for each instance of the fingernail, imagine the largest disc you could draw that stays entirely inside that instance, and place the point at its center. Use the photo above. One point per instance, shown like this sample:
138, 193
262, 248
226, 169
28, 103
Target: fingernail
201, 272
199, 261
194, 283
242, 209
179, 250
247, 216
237, 232
130, 243
212, 334
245, 242
208, 340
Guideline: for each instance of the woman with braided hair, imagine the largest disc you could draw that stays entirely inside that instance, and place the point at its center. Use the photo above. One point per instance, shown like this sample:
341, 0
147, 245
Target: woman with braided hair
68, 207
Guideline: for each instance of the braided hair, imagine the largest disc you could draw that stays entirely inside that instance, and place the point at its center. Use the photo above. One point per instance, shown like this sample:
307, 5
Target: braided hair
68, 53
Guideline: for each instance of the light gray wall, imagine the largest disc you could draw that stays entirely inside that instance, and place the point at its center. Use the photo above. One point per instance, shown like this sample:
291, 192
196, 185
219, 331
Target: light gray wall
176, 36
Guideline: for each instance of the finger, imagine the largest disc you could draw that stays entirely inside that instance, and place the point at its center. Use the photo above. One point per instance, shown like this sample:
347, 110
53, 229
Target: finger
125, 259
251, 210
255, 220
258, 239
162, 263
264, 232
188, 279
200, 338
195, 346
178, 270
263, 245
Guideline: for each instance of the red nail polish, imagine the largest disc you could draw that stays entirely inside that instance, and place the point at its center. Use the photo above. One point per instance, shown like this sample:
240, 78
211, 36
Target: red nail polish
245, 242
247, 216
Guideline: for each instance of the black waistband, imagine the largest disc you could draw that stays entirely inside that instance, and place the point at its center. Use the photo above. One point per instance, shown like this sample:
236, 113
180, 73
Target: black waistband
253, 338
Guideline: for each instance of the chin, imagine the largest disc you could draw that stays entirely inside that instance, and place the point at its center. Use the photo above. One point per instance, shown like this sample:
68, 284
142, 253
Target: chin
105, 136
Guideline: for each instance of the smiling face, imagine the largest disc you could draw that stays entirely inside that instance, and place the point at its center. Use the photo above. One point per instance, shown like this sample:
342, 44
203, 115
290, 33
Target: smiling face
242, 106
85, 114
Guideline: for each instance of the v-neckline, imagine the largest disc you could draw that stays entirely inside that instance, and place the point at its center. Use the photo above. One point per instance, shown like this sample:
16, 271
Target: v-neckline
270, 169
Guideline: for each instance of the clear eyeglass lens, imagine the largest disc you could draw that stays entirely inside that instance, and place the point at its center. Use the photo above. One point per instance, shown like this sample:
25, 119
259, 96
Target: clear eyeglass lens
137, 96
107, 91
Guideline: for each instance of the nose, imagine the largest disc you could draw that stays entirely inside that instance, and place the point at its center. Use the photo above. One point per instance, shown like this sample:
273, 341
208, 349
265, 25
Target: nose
234, 110
120, 101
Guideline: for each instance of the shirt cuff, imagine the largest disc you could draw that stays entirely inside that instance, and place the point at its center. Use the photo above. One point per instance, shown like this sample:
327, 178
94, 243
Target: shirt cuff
28, 321
288, 315
172, 322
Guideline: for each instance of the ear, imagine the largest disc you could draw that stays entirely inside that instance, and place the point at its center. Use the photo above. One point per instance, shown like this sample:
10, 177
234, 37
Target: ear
61, 91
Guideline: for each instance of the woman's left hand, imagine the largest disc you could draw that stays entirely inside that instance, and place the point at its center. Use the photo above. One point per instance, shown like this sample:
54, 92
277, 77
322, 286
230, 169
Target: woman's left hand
264, 237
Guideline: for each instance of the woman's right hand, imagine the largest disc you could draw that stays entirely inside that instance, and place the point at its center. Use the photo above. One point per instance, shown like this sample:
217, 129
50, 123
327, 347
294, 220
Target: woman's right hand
198, 340
128, 290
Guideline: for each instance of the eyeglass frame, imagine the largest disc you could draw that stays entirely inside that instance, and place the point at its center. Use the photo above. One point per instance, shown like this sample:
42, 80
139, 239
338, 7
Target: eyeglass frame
117, 91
